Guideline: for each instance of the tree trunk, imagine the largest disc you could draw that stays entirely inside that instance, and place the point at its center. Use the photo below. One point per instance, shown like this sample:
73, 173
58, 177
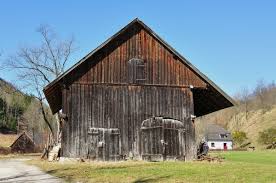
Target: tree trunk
45, 117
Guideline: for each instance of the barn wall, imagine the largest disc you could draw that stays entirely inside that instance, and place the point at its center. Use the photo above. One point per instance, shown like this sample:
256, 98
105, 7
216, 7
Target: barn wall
110, 64
123, 107
101, 93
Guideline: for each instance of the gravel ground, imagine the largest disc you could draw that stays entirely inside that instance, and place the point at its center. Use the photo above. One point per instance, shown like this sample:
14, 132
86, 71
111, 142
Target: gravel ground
16, 170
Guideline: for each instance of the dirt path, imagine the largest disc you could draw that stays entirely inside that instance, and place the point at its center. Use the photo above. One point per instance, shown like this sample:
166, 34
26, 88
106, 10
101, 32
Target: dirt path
16, 170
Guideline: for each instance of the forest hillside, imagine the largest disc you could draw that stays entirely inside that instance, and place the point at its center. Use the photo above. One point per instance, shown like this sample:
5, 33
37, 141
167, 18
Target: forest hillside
21, 112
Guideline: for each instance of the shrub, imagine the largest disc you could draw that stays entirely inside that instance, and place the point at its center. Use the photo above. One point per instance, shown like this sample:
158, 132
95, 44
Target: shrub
239, 137
268, 136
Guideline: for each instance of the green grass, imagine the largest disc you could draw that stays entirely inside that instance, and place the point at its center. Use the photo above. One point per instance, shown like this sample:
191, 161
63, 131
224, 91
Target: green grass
237, 167
257, 157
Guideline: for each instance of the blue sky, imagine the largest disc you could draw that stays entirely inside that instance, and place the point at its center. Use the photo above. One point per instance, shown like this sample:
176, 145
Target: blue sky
232, 42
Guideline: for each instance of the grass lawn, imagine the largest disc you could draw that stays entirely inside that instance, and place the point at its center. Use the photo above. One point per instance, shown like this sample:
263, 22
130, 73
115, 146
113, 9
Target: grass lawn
7, 139
258, 166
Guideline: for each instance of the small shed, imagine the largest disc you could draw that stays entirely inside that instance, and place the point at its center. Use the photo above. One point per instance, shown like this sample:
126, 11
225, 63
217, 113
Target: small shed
23, 144
218, 138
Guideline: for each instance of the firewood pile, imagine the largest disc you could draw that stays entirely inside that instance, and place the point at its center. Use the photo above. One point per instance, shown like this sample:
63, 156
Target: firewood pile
271, 146
210, 158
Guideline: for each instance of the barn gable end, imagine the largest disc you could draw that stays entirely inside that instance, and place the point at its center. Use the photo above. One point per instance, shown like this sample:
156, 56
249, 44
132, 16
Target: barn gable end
163, 66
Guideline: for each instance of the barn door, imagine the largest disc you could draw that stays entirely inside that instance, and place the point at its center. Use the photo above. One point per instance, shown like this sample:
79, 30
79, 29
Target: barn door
104, 144
112, 144
172, 138
162, 139
152, 147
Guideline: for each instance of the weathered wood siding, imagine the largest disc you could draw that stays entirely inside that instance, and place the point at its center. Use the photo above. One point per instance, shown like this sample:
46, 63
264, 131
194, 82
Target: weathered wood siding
122, 107
111, 65
163, 138
102, 93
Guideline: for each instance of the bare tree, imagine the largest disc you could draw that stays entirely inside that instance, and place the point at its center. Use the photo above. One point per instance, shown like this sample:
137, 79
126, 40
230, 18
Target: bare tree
260, 93
245, 97
36, 66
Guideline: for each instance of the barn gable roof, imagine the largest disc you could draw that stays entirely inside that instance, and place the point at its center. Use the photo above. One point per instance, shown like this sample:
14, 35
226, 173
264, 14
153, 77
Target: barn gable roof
55, 103
20, 136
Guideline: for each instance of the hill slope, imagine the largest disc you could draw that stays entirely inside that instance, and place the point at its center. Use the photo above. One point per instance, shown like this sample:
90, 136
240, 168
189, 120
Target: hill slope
234, 119
255, 112
256, 122
21, 112
13, 104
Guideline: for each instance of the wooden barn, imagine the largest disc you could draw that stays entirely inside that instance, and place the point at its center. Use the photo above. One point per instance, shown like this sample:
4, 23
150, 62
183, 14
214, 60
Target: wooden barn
134, 96
23, 144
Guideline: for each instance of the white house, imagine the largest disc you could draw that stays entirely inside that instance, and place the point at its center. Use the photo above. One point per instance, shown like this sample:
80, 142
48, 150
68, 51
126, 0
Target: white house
218, 138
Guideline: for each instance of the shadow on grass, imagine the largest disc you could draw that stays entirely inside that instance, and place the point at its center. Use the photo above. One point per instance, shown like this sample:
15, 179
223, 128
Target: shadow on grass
150, 179
56, 172
29, 177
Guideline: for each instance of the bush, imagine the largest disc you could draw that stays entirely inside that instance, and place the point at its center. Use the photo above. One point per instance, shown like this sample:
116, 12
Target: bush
239, 137
268, 136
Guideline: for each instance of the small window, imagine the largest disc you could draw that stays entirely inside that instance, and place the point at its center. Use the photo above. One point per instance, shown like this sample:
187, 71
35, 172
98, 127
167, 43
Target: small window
212, 144
140, 72
223, 136
136, 71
